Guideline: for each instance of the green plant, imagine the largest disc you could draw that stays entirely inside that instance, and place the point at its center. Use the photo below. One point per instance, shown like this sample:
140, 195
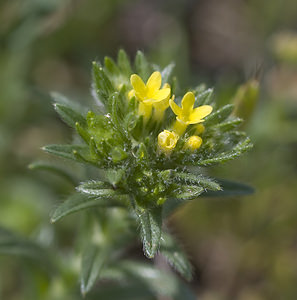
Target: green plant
142, 161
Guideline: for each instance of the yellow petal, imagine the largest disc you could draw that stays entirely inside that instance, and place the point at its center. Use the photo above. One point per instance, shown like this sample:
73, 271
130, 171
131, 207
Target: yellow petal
161, 105
193, 143
188, 102
145, 110
138, 86
161, 94
175, 108
154, 83
167, 140
199, 113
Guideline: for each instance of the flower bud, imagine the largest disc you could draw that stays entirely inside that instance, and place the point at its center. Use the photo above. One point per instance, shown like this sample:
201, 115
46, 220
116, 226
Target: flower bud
167, 140
193, 143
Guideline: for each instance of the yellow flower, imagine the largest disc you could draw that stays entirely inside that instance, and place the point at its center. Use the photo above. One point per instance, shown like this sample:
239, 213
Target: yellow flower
199, 128
187, 114
193, 143
167, 140
149, 94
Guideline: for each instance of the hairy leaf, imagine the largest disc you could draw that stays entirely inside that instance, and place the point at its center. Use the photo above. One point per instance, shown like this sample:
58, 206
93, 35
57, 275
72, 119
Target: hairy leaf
239, 149
150, 221
69, 116
53, 168
204, 97
175, 256
124, 63
166, 72
98, 188
142, 66
93, 260
78, 202
219, 115
199, 180
13, 244
230, 188
159, 282
73, 152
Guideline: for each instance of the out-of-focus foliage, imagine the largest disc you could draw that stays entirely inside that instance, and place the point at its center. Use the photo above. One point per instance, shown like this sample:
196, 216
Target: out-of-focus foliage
240, 249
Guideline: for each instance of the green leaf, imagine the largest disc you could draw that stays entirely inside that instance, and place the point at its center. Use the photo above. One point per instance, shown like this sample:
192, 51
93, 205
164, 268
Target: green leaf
199, 180
13, 244
124, 63
219, 115
111, 66
93, 260
150, 221
78, 202
68, 151
123, 291
166, 72
239, 149
204, 97
159, 282
56, 169
98, 188
117, 114
61, 99
228, 125
175, 256
230, 188
187, 192
142, 66
103, 86
69, 116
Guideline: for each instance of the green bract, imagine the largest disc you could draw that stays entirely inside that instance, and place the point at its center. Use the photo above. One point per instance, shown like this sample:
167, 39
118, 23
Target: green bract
147, 182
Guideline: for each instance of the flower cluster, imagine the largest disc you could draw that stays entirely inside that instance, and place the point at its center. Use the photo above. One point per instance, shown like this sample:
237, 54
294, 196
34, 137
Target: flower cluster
152, 95
143, 135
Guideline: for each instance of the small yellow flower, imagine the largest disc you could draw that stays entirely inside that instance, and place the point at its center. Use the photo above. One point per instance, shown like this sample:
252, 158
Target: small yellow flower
187, 114
149, 94
193, 143
167, 140
199, 128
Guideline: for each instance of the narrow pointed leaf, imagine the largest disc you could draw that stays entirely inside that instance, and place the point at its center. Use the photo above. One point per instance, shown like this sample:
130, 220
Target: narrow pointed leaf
204, 97
150, 222
98, 188
93, 260
187, 192
228, 125
159, 282
175, 256
199, 180
166, 72
239, 149
56, 169
14, 244
230, 188
142, 66
69, 116
67, 151
111, 66
124, 63
78, 202
219, 115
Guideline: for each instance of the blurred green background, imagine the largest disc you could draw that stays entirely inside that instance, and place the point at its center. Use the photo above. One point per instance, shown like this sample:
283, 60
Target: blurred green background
242, 248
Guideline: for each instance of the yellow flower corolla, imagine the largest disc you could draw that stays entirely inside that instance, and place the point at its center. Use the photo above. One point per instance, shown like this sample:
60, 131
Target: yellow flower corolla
167, 140
187, 114
150, 94
199, 128
193, 143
